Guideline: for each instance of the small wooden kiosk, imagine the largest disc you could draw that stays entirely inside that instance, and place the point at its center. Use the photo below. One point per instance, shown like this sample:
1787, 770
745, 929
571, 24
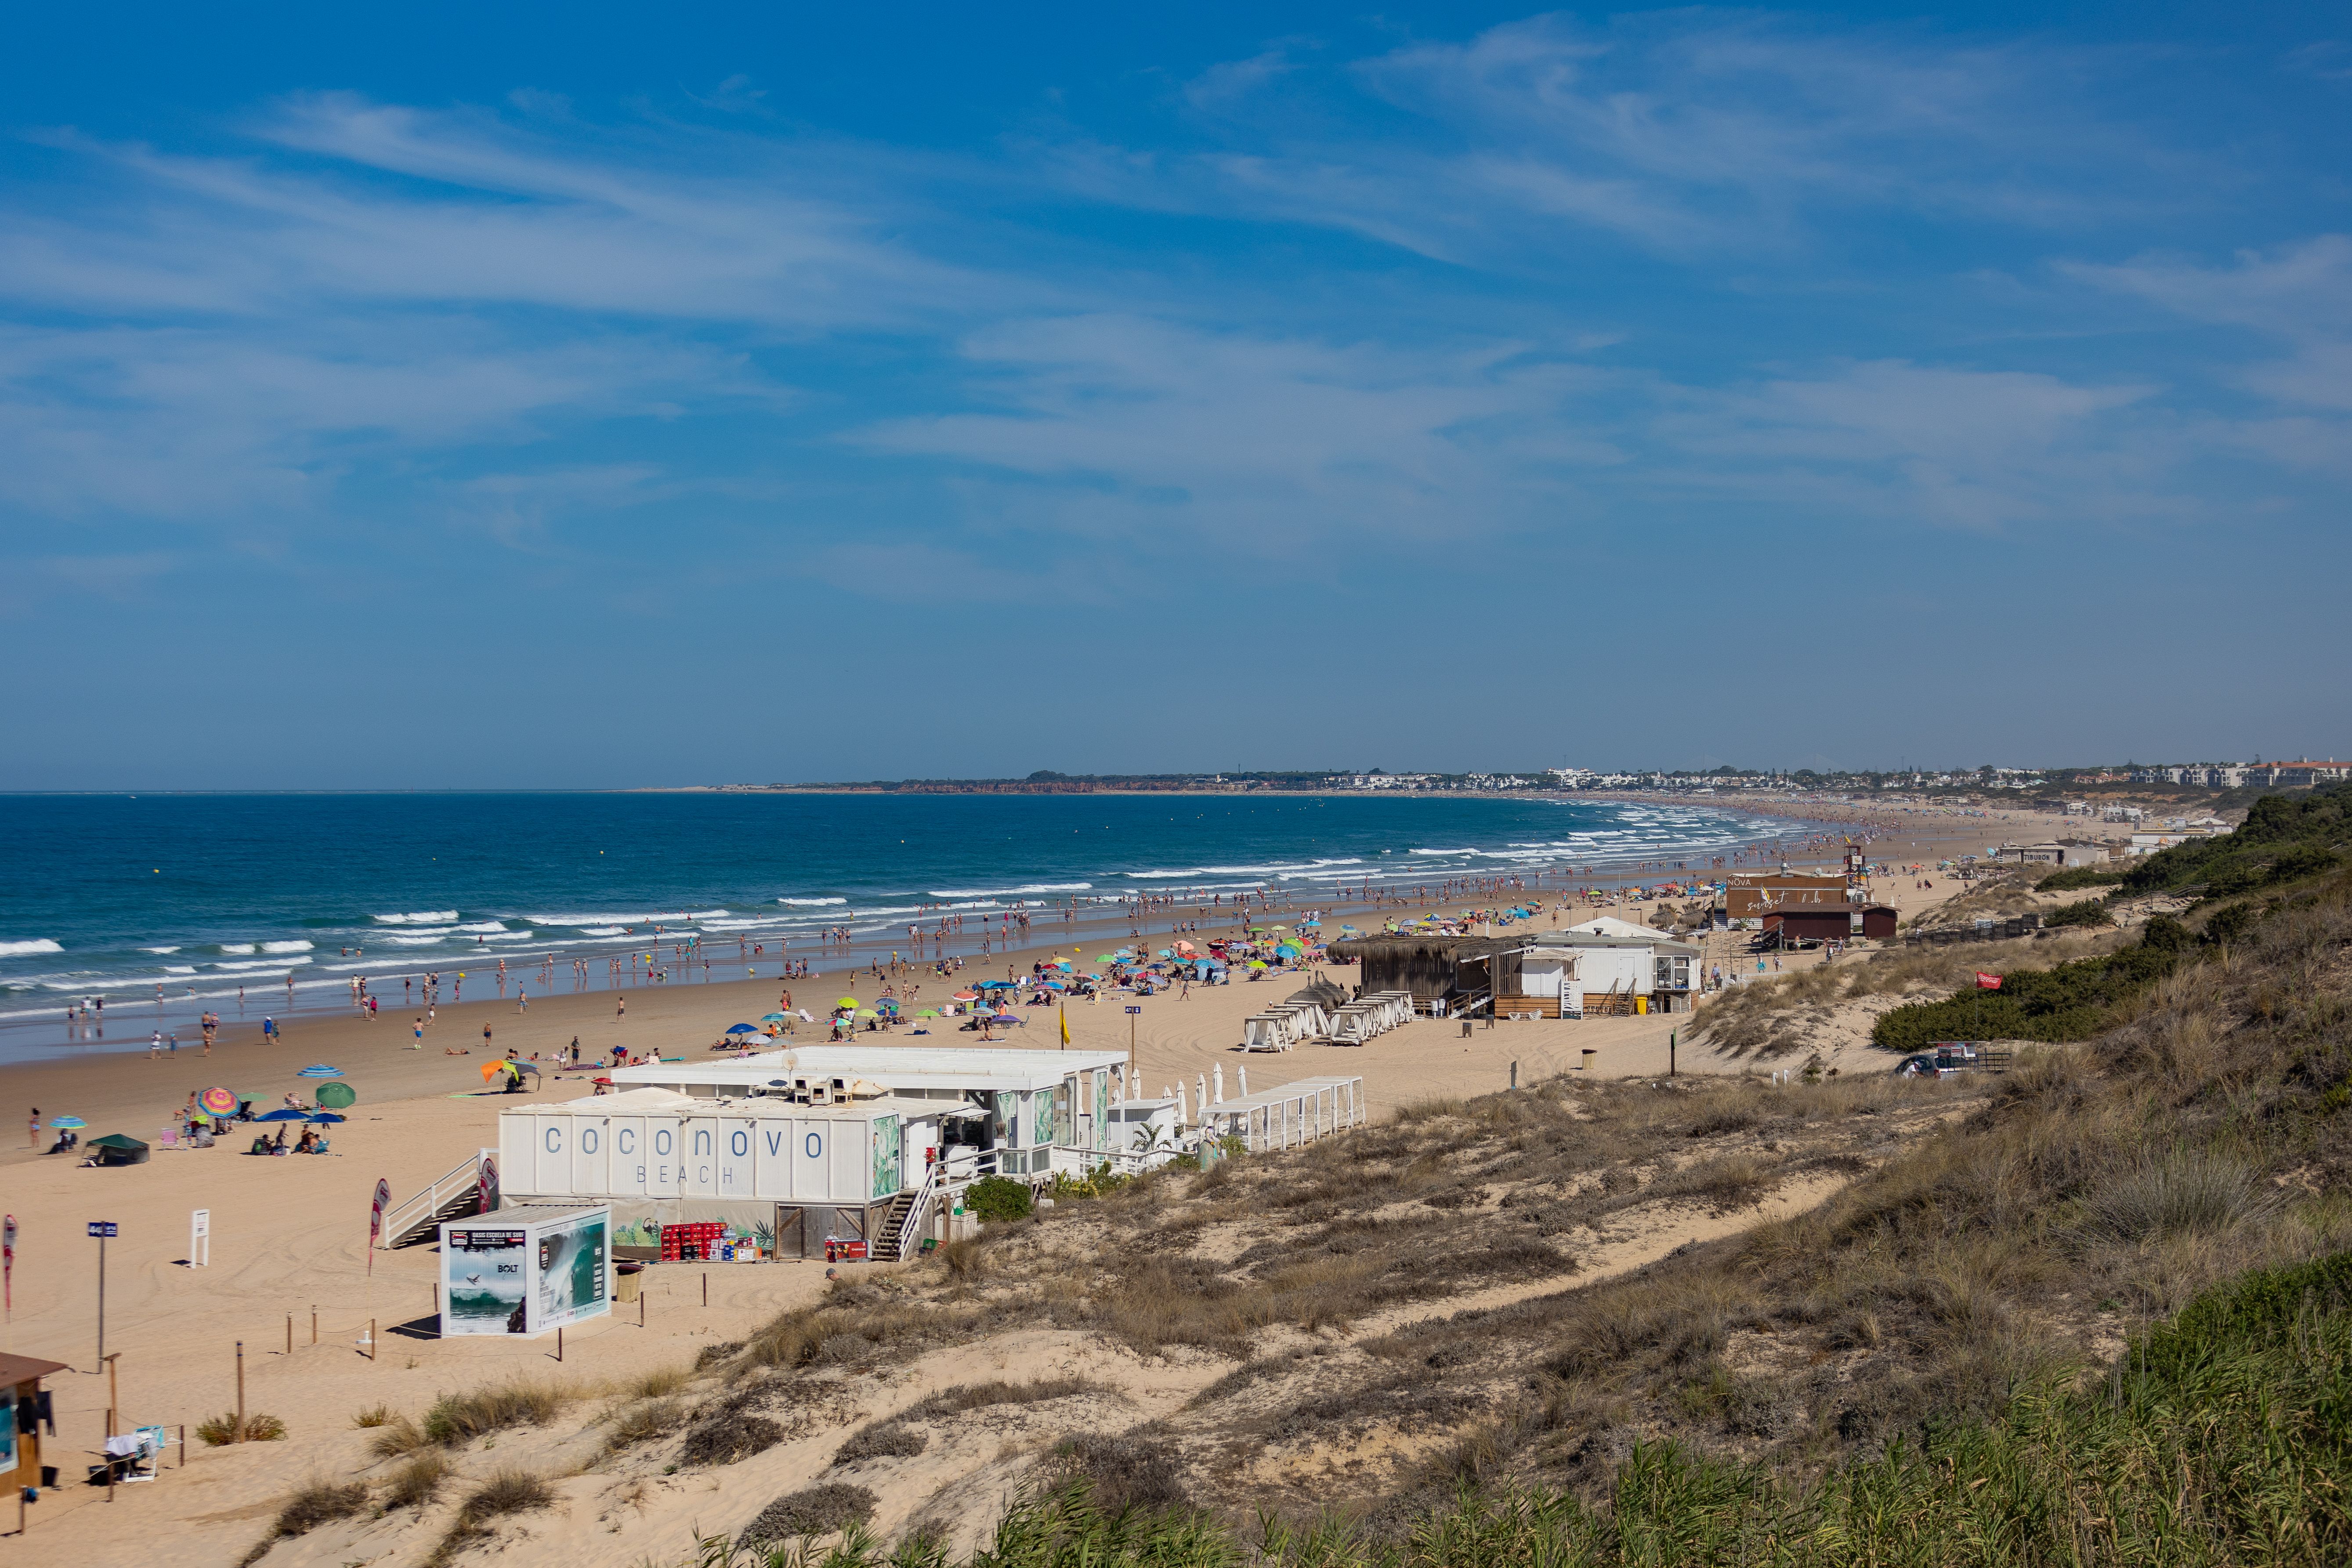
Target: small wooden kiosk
20, 1422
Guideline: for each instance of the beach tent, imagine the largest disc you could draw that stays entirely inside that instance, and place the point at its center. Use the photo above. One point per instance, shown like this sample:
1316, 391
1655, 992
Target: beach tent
115, 1149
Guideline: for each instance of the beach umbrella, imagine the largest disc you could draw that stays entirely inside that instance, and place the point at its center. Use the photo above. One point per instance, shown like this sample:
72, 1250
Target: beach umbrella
325, 1116
742, 1028
68, 1122
927, 1013
320, 1069
337, 1095
967, 996
774, 1018
218, 1102
284, 1113
846, 1002
867, 1012
1055, 985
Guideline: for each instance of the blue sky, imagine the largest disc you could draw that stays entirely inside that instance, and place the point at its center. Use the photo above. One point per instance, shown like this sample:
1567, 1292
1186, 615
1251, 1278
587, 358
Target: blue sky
583, 397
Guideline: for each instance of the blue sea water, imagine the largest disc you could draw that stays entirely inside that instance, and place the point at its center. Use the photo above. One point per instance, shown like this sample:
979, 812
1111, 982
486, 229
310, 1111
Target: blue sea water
116, 895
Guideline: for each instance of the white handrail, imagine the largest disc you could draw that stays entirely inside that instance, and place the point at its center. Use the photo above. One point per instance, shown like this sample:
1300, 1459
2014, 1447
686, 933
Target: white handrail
397, 1221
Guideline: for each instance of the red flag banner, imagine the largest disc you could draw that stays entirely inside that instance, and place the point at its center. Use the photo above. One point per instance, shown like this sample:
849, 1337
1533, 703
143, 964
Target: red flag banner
1987, 982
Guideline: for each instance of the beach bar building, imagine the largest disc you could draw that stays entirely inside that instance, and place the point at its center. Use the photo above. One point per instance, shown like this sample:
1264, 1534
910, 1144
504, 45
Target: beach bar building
1607, 967
859, 1146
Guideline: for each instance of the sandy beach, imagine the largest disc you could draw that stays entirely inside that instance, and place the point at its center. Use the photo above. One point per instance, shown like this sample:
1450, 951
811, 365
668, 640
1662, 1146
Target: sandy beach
288, 1235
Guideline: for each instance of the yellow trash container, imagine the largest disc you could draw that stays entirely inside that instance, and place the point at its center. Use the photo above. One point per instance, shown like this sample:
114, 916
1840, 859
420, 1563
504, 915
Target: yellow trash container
1641, 1005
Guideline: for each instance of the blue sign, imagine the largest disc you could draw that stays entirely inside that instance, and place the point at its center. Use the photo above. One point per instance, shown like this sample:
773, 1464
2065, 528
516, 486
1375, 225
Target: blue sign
101, 1227
1135, 1009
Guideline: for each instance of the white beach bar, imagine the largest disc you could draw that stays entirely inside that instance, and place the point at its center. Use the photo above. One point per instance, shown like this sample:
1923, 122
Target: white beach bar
1292, 1114
1032, 1100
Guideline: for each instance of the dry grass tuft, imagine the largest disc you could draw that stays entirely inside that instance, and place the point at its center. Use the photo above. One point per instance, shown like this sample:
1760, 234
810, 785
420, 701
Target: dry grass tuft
815, 1511
418, 1482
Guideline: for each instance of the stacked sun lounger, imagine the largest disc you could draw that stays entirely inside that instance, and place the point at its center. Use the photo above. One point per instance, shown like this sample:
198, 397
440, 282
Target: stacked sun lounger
1366, 1019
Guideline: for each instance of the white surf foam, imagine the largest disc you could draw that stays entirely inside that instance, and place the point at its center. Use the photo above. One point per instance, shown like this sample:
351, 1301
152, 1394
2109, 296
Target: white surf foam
1026, 890
159, 950
813, 902
285, 947
37, 945
605, 920
422, 917
236, 947
484, 926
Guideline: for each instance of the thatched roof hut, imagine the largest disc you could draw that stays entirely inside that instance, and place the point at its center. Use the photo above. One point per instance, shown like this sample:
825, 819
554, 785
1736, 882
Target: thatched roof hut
1433, 967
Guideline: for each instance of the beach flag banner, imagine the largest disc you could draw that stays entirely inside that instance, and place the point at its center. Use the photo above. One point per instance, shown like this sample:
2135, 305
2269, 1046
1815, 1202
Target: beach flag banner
1987, 982
375, 1218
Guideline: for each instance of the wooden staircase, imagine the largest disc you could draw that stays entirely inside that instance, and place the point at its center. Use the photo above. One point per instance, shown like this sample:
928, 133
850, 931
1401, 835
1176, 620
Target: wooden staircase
889, 1242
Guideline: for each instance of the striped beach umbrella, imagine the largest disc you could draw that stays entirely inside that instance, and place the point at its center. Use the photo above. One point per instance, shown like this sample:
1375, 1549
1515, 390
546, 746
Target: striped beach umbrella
320, 1069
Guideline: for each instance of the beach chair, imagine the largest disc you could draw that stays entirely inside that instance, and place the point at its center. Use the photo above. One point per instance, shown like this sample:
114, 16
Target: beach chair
167, 1138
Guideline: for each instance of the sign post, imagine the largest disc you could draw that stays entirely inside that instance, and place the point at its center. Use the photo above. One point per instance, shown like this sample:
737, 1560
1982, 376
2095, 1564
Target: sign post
101, 1229
1132, 1012
200, 1238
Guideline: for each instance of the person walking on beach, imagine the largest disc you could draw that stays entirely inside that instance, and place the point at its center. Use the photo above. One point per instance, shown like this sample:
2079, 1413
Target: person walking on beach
486, 1036
620, 1008
36, 1130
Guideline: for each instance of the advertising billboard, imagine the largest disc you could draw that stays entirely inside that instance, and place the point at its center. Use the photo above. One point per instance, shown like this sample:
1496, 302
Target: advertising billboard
570, 1270
483, 1288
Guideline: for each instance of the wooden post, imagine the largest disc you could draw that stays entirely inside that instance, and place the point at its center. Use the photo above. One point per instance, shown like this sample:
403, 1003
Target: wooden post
558, 1341
314, 1323
706, 1289
240, 1391
290, 1333
183, 1447
113, 1403
640, 1302
371, 1339
1671, 1036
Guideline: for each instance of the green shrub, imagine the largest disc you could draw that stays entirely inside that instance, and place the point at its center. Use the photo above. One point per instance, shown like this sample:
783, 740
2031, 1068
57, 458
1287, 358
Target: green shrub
2069, 1001
2087, 912
2078, 878
995, 1198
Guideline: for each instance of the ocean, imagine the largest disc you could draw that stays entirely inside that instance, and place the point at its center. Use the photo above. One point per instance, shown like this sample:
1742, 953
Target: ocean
202, 895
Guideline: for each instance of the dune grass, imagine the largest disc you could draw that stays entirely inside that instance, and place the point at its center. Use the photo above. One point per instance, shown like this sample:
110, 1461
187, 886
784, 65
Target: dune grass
2221, 1437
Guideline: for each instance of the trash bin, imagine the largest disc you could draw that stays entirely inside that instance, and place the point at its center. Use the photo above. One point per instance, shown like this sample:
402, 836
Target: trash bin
625, 1283
1641, 1005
